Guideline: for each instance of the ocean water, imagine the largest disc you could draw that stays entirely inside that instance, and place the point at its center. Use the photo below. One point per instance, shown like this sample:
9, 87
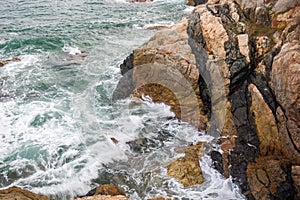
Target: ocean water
56, 114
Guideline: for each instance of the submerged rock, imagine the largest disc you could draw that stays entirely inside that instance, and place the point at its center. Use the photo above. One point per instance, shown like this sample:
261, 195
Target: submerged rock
16, 193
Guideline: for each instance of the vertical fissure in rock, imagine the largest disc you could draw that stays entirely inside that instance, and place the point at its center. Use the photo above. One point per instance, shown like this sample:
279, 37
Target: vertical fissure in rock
126, 84
247, 143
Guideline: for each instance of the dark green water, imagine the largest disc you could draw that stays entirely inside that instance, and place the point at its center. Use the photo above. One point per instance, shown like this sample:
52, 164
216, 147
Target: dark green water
56, 117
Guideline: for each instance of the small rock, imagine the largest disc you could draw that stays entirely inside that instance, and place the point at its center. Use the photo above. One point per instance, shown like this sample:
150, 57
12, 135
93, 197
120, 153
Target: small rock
160, 198
16, 193
187, 169
4, 62
104, 197
114, 140
195, 2
106, 189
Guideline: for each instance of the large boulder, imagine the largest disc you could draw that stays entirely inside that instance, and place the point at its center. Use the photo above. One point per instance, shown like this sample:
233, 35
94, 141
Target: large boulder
187, 169
164, 69
285, 82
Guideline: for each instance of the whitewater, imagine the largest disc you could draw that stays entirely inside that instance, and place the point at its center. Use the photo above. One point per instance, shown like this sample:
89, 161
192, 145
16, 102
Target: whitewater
58, 125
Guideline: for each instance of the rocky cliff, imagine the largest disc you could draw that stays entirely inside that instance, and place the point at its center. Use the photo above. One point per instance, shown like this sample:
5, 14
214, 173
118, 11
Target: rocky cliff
233, 69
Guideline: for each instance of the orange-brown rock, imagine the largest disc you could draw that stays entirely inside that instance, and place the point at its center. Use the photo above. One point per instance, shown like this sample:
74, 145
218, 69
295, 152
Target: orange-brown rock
4, 62
187, 169
105, 192
285, 82
270, 140
247, 54
265, 176
165, 70
16, 193
238, 48
195, 2
296, 179
109, 189
104, 197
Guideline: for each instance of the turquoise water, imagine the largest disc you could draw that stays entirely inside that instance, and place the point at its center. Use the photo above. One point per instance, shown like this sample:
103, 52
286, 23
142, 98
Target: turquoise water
56, 114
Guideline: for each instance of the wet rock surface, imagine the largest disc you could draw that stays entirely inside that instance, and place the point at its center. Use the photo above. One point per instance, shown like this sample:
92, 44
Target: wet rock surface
164, 69
244, 72
6, 61
195, 2
187, 169
105, 192
257, 63
16, 193
104, 197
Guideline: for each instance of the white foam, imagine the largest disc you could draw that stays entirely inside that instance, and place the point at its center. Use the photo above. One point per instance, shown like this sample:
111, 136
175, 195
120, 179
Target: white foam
71, 50
189, 9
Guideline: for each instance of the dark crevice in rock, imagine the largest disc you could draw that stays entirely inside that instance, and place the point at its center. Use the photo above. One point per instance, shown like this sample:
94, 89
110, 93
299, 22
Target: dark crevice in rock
258, 15
126, 84
261, 81
268, 61
286, 190
247, 144
197, 44
205, 96
193, 25
288, 131
217, 161
204, 79
127, 64
262, 85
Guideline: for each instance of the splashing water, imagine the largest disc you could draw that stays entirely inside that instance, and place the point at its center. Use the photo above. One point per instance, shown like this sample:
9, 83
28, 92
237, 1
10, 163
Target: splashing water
56, 117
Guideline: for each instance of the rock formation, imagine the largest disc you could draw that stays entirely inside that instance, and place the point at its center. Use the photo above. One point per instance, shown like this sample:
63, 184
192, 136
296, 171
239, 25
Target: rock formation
187, 169
6, 61
244, 71
165, 70
105, 192
195, 2
255, 51
104, 197
13, 193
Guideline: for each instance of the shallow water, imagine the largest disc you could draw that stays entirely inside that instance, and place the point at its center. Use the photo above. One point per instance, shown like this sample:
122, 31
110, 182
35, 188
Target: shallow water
56, 114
